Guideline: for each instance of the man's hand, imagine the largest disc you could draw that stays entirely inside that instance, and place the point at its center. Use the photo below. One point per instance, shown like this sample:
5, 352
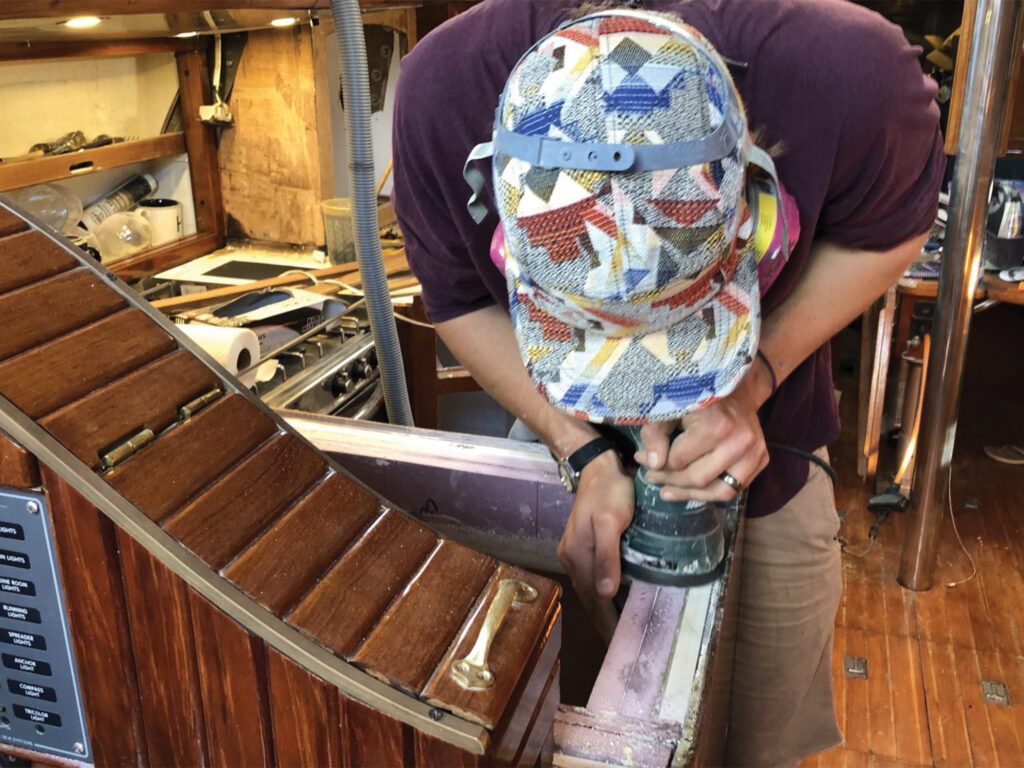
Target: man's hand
722, 437
589, 549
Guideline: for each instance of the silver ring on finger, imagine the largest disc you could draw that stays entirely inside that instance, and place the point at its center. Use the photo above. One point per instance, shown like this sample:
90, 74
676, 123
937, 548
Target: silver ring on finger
731, 481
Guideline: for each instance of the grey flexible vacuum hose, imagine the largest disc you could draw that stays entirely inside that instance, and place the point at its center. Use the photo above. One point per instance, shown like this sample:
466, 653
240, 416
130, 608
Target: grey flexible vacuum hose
355, 84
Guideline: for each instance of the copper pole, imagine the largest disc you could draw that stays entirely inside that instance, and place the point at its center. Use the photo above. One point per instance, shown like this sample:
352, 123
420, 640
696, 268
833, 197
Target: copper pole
984, 102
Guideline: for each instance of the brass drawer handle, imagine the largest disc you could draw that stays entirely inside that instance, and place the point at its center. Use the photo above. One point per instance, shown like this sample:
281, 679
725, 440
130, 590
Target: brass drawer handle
473, 672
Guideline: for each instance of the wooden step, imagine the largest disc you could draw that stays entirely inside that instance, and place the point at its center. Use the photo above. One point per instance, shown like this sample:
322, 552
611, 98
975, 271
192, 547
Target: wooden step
320, 526
29, 257
44, 310
10, 224
350, 599
52, 375
148, 398
432, 607
247, 499
177, 466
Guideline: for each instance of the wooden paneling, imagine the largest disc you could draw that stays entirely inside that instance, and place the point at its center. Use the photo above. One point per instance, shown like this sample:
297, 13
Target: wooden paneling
148, 398
165, 657
18, 467
298, 738
431, 608
369, 575
537, 745
10, 224
380, 741
319, 527
233, 683
273, 173
247, 499
432, 751
201, 144
90, 571
50, 376
515, 642
175, 468
42, 311
28, 257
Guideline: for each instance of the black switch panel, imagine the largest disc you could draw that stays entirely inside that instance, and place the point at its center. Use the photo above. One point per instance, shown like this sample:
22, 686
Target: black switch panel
40, 699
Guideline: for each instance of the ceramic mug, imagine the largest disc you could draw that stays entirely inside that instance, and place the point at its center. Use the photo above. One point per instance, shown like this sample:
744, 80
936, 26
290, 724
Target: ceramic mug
164, 216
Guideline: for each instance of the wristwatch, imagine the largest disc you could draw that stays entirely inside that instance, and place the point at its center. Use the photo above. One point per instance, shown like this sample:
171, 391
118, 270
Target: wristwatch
570, 467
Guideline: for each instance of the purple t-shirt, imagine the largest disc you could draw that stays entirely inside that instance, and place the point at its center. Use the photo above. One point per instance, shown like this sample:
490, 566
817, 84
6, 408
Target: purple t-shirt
835, 86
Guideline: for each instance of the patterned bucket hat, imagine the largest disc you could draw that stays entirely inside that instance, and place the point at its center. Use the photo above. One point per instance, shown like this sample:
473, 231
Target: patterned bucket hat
619, 159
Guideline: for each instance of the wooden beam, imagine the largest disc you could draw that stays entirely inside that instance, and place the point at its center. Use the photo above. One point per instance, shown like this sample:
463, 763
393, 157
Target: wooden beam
77, 49
35, 9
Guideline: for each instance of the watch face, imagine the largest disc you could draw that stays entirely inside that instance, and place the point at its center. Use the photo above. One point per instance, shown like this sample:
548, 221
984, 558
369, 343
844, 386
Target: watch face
568, 475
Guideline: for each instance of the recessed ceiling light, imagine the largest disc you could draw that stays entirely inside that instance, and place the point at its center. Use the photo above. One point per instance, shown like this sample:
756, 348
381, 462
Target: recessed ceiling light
187, 34
285, 22
83, 22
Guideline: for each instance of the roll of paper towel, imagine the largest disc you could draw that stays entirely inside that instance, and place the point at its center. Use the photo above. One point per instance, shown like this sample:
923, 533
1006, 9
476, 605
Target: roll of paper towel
234, 348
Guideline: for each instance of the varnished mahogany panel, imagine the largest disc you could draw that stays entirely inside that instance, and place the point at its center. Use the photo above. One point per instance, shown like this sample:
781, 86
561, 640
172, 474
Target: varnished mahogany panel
379, 740
10, 224
524, 627
320, 527
147, 398
29, 257
47, 309
511, 732
431, 608
431, 751
306, 715
343, 607
233, 683
165, 657
90, 571
52, 375
178, 465
243, 502
18, 467
539, 741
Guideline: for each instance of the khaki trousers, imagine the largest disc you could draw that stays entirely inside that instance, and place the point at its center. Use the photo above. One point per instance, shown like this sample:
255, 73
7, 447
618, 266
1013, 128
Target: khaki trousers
782, 707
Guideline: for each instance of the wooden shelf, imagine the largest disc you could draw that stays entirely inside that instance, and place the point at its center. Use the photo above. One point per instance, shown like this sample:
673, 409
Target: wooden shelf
86, 161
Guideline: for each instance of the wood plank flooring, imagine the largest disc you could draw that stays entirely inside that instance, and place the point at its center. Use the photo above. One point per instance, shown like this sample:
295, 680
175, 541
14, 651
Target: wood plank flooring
922, 703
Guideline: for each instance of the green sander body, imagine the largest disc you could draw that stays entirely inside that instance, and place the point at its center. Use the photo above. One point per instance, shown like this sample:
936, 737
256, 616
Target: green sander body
671, 543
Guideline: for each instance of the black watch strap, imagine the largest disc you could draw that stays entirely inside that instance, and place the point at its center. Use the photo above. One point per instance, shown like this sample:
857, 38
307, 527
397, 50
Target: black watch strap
571, 466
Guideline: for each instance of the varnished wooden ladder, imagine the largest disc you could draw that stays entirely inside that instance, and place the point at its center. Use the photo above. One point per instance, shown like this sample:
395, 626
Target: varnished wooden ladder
326, 593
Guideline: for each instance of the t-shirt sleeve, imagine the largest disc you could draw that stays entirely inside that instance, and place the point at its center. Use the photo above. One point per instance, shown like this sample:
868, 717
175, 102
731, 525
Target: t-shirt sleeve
890, 164
423, 195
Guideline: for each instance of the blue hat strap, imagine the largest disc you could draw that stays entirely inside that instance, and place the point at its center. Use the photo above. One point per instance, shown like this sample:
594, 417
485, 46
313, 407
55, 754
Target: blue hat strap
475, 179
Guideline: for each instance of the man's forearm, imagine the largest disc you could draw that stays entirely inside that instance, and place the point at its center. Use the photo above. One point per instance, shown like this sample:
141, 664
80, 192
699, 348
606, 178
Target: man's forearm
836, 285
485, 343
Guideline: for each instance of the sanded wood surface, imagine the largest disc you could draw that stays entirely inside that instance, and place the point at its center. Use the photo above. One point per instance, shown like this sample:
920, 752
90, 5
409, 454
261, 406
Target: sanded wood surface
350, 599
176, 467
522, 630
233, 684
52, 375
18, 467
29, 257
243, 502
298, 738
165, 657
432, 609
320, 527
146, 399
10, 224
376, 740
46, 309
90, 572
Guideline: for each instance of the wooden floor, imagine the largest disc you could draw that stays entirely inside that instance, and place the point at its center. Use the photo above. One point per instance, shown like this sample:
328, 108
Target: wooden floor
928, 652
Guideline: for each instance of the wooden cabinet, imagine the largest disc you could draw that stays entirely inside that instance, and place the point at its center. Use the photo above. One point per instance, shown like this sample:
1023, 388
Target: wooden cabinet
196, 140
